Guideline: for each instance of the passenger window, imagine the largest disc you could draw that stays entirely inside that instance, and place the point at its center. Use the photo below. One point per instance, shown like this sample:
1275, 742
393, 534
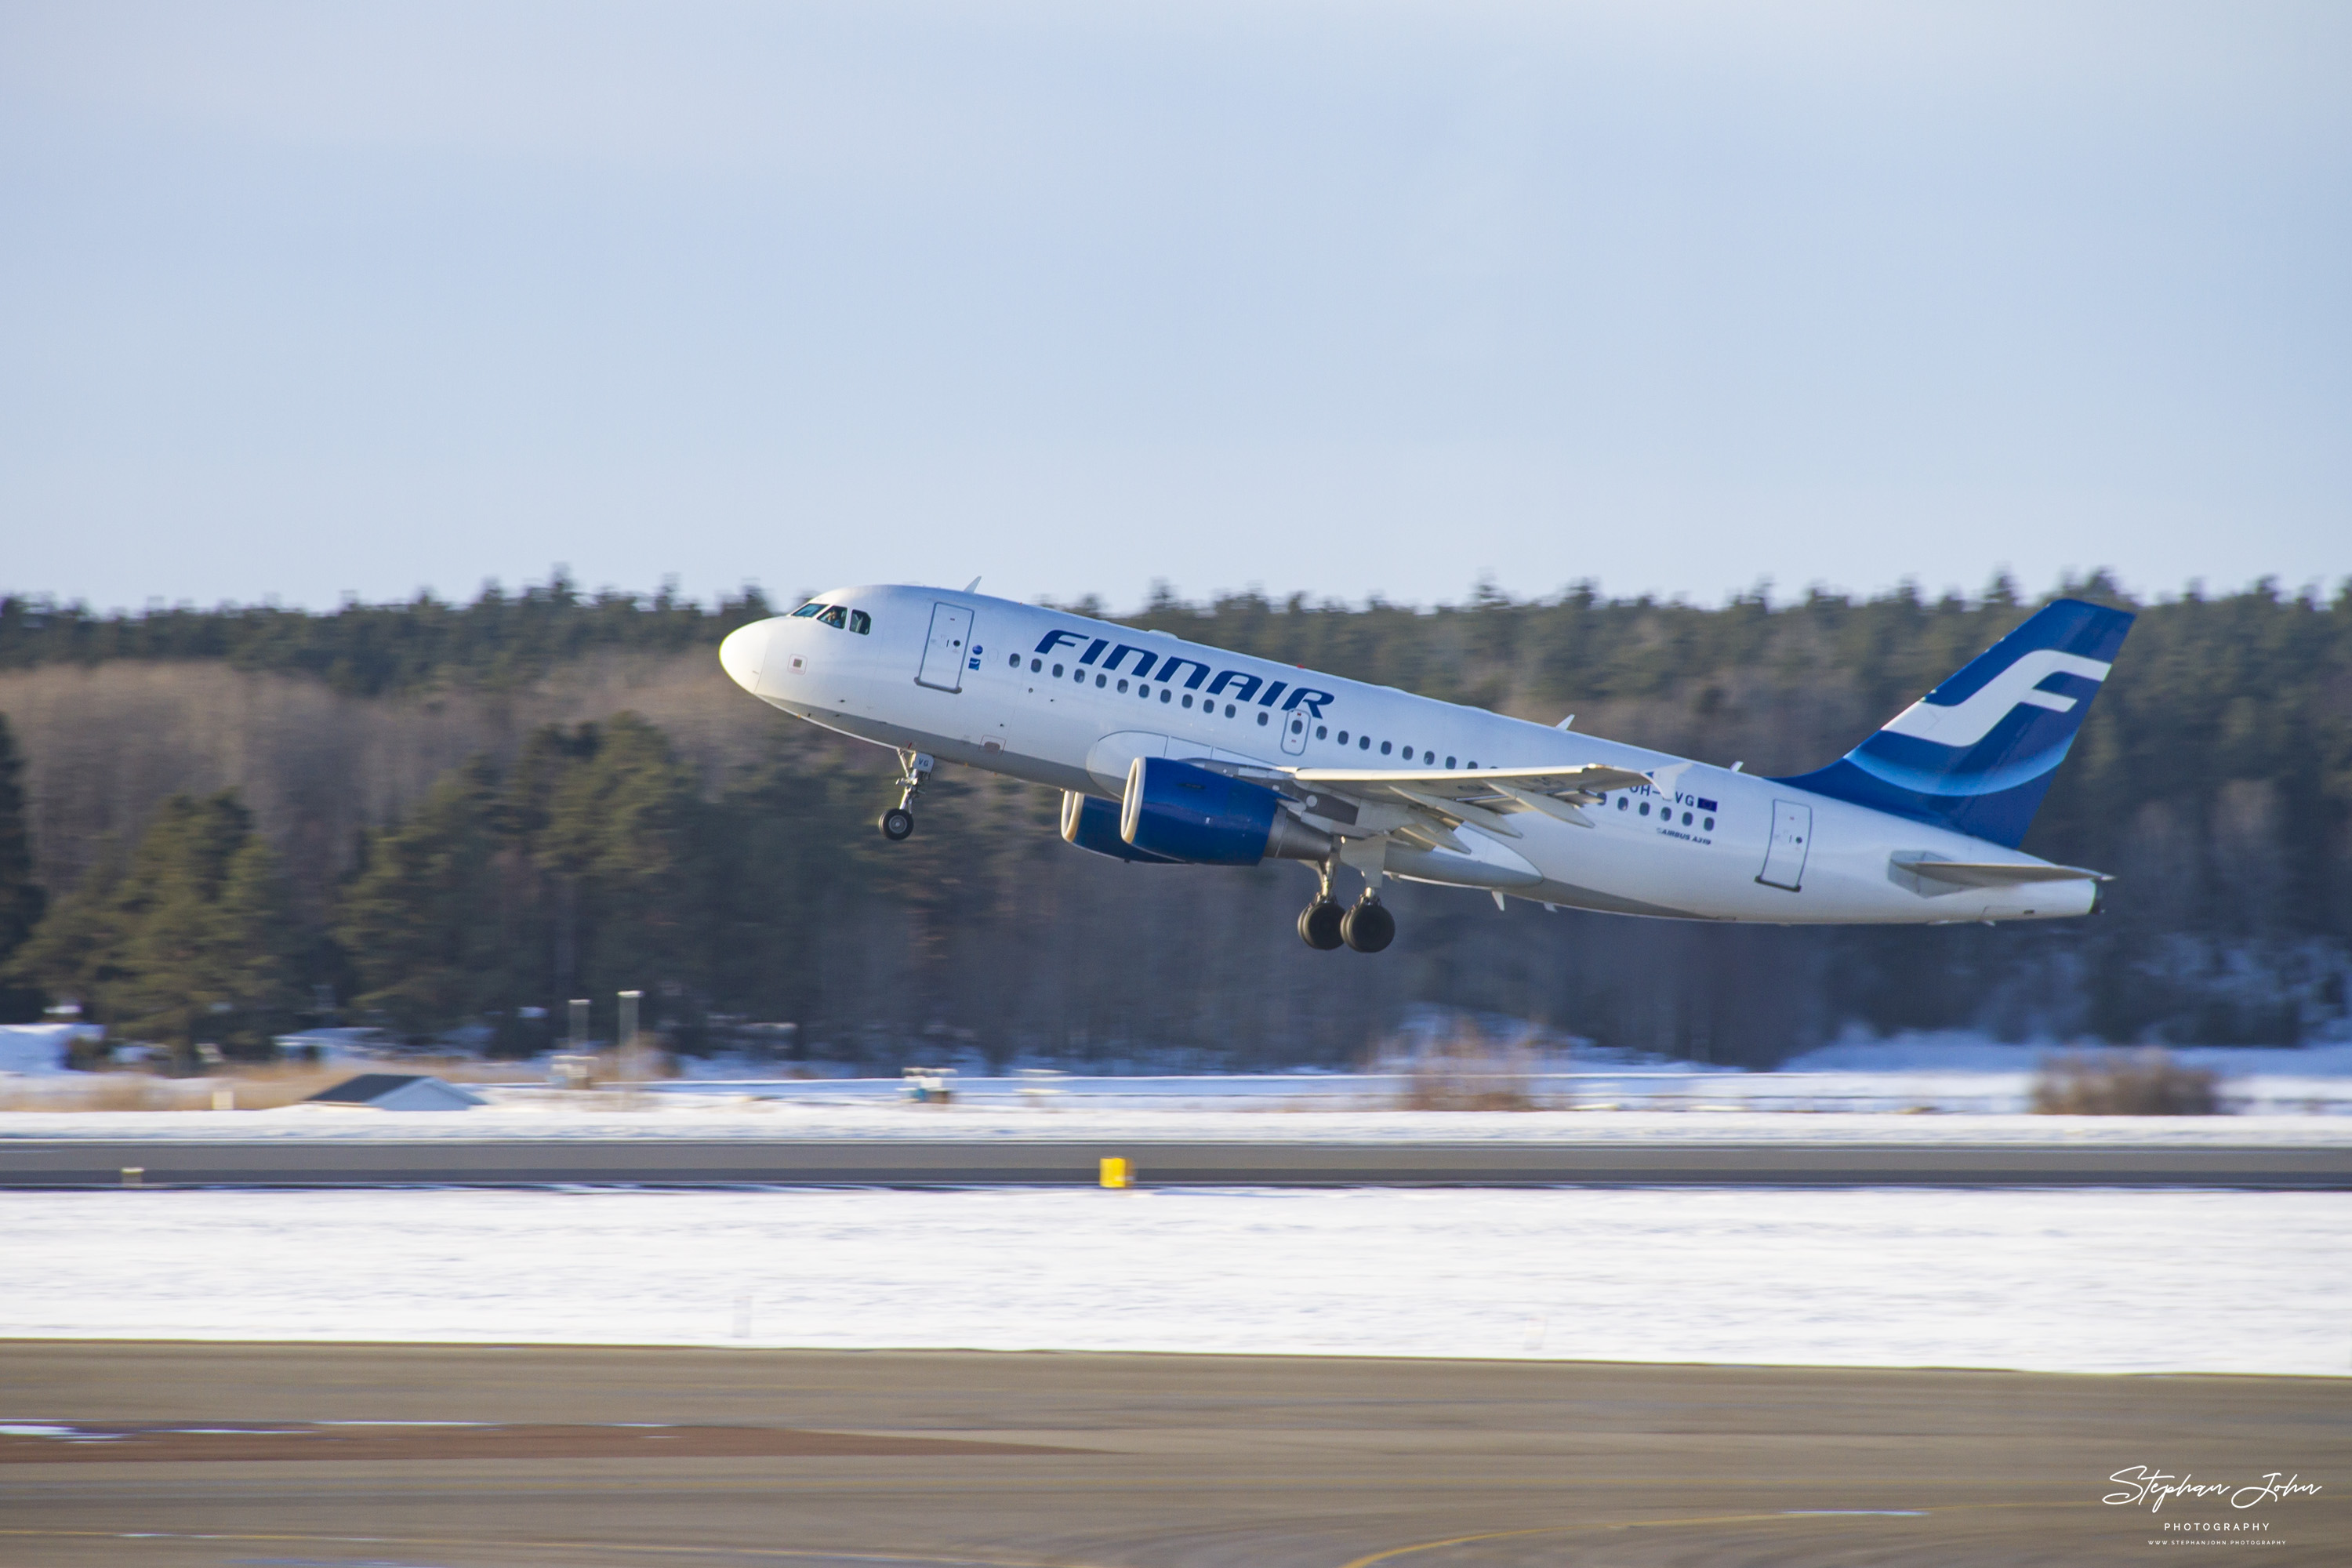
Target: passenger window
1622, 802
1323, 732
1384, 748
1708, 825
810, 608
1102, 681
1343, 737
1188, 699
1057, 672
1646, 808
1449, 762
1165, 694
1122, 685
1429, 756
1035, 665
834, 616
1685, 819
861, 622
1364, 742
1261, 718
1013, 660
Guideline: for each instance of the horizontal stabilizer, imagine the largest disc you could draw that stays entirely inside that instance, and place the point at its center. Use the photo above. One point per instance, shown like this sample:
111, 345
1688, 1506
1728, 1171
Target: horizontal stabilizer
1995, 873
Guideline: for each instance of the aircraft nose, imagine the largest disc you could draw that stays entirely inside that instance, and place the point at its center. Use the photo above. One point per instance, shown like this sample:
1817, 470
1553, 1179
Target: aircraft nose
743, 651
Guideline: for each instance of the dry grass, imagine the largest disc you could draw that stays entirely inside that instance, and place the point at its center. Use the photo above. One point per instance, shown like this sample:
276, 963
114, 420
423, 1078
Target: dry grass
248, 1088
2123, 1083
1469, 1071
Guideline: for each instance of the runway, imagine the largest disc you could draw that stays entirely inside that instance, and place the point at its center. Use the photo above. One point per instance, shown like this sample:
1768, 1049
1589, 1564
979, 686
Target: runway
915, 1459
674, 1161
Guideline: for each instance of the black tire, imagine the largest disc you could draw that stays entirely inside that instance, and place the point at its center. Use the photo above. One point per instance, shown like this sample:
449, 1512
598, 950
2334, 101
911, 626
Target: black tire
898, 825
1319, 924
1368, 928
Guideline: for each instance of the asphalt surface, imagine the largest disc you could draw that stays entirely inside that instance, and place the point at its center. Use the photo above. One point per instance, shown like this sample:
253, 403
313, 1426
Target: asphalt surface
27, 1161
166, 1455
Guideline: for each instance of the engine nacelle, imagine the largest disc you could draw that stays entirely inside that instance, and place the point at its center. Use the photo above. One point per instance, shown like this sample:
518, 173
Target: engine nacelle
1091, 822
1181, 811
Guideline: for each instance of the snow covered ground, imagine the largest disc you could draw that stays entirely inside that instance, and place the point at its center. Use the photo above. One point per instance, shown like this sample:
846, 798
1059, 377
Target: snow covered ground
2073, 1281
1965, 1086
550, 1114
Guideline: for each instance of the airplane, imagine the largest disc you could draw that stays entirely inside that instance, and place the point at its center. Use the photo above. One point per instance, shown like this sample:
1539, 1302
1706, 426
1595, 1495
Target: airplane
1170, 752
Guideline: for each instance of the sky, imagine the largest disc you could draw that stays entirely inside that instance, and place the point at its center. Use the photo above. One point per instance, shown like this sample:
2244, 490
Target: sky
308, 301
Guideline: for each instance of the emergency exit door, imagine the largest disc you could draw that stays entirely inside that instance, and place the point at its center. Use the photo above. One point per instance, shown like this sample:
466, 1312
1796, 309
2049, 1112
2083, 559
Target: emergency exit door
1294, 731
943, 655
1784, 859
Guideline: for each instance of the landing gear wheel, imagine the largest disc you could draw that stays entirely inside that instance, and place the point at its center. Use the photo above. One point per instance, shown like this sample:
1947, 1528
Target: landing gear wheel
1319, 924
897, 824
1369, 927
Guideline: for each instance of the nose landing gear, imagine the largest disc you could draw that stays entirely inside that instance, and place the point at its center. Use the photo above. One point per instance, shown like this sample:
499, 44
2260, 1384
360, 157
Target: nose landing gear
897, 824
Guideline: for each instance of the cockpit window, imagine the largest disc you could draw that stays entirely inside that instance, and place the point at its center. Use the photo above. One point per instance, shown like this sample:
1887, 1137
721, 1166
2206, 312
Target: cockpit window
835, 615
810, 608
860, 622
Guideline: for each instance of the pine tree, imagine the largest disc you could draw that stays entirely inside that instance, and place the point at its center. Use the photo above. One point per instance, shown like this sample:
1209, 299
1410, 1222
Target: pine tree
253, 940
21, 899
427, 920
189, 941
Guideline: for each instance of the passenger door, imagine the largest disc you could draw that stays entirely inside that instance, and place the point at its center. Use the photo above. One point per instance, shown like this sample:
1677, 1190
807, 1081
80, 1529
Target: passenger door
943, 655
1784, 859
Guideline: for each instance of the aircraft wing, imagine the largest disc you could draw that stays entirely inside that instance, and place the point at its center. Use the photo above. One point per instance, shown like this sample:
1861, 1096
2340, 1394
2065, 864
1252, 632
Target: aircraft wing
1423, 799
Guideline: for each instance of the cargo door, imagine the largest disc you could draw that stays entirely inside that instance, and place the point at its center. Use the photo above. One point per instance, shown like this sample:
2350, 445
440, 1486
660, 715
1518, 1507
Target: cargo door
1784, 858
943, 654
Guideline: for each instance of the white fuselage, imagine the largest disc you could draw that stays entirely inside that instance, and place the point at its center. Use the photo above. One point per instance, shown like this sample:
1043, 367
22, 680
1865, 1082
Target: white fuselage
1699, 842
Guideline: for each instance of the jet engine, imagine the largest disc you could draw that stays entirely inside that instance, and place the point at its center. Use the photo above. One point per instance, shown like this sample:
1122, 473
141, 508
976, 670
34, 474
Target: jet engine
1177, 811
1091, 822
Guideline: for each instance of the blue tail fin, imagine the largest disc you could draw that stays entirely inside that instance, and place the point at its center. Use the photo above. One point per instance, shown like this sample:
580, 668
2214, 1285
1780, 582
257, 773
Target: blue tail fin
1977, 754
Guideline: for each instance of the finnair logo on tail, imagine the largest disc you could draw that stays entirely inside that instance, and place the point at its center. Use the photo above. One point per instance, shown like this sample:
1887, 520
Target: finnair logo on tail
1970, 720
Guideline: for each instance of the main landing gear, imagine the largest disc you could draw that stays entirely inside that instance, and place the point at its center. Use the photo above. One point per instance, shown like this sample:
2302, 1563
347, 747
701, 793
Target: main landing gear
1367, 927
897, 824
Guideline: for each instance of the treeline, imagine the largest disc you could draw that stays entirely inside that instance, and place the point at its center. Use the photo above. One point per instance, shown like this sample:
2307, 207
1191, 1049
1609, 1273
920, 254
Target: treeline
500, 639
722, 859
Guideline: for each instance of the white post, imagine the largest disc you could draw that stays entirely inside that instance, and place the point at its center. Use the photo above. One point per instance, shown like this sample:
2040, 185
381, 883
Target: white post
632, 1068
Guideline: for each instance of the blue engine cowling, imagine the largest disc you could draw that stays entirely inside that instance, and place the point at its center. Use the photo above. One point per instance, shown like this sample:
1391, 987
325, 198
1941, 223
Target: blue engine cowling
1181, 811
1091, 822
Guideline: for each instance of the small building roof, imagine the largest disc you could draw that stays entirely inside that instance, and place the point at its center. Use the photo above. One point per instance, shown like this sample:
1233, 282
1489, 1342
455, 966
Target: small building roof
398, 1091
